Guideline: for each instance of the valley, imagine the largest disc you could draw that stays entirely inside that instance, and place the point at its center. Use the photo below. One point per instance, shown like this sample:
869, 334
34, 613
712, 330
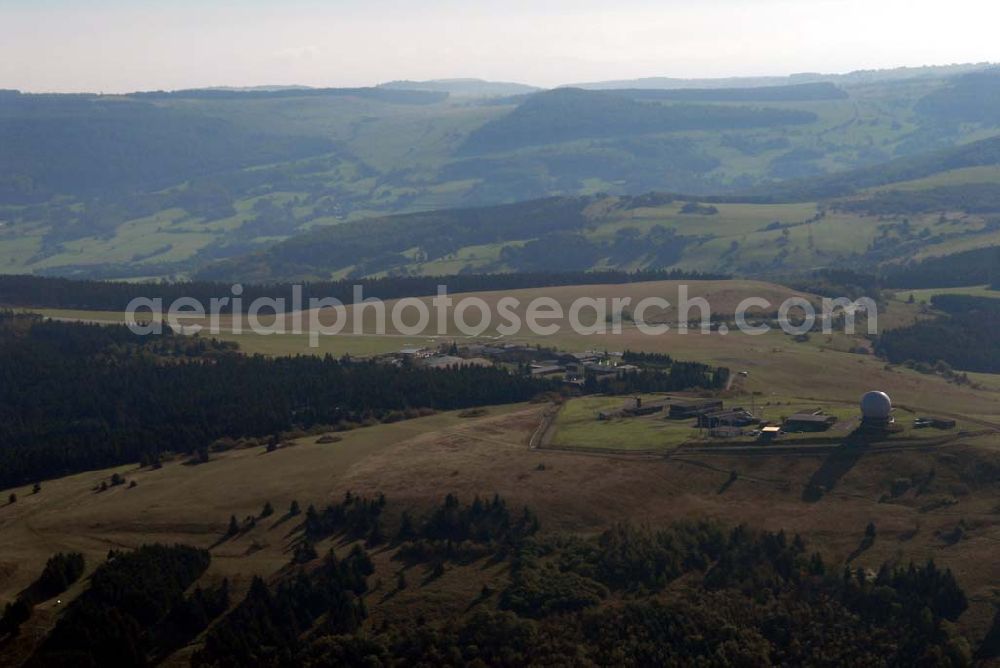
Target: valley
304, 453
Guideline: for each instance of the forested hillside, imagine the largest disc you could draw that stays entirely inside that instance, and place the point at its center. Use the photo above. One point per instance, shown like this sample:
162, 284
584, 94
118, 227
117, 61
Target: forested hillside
964, 338
567, 114
878, 231
165, 183
75, 397
64, 293
80, 145
973, 154
694, 592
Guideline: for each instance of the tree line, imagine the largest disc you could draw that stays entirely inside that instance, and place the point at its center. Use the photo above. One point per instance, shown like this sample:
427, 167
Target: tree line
134, 609
50, 292
75, 397
964, 337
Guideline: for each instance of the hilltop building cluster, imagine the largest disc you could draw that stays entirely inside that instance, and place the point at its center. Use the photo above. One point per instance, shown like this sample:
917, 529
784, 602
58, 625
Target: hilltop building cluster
710, 414
539, 362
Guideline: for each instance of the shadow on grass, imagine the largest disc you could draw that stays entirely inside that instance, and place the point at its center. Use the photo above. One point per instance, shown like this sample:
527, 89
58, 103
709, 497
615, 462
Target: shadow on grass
836, 465
281, 520
862, 547
733, 477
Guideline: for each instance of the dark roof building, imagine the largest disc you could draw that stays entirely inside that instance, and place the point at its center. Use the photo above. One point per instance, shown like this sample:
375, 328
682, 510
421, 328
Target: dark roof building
732, 417
808, 422
688, 408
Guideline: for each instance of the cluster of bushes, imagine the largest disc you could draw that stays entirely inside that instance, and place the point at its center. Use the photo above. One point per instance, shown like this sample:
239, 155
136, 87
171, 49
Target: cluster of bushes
464, 532
355, 517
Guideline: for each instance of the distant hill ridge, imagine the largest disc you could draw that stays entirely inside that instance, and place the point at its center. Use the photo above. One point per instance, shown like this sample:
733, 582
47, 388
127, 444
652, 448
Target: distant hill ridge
466, 87
857, 76
570, 113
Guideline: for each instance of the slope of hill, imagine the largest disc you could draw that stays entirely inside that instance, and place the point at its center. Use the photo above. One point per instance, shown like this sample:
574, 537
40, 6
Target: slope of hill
464, 87
934, 214
209, 174
80, 145
416, 462
856, 77
791, 93
567, 114
984, 152
972, 98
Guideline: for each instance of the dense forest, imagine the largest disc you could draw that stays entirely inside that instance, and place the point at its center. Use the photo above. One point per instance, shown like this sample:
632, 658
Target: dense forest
60, 572
75, 397
60, 144
134, 610
551, 229
974, 267
565, 114
692, 593
980, 198
964, 338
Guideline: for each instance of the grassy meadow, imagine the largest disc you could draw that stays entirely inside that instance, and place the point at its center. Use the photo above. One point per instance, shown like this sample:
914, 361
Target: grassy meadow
417, 461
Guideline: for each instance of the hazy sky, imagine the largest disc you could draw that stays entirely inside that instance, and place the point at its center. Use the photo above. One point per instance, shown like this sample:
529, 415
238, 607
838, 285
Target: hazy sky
114, 45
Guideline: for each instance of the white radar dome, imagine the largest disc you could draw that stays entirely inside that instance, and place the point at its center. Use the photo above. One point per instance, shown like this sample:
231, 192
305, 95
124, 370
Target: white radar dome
876, 405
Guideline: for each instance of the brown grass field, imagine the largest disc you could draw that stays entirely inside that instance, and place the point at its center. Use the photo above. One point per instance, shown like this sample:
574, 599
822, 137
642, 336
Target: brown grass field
821, 368
416, 462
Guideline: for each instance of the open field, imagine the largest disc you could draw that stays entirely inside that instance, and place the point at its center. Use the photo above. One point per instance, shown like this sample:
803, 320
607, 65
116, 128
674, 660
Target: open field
817, 370
579, 427
416, 462
824, 368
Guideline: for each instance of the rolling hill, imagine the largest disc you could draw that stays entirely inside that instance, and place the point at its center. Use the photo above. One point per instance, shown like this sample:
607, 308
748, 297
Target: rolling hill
568, 114
210, 174
163, 184
940, 203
